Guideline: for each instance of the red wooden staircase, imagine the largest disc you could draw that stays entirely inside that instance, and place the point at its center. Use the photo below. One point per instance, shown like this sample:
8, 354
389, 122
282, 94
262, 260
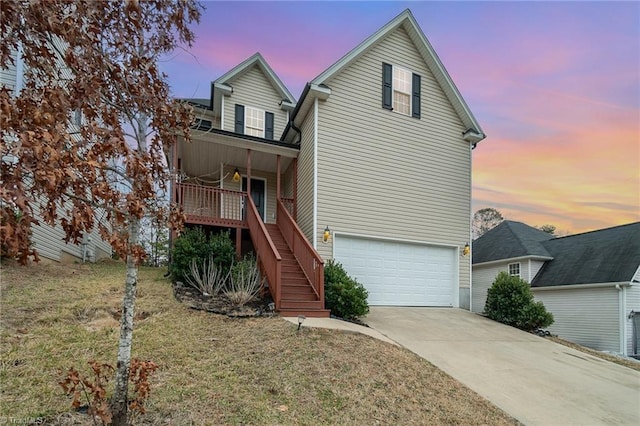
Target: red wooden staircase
297, 296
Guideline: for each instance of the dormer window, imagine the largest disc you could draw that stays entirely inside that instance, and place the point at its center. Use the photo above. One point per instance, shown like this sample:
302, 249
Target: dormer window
254, 122
400, 90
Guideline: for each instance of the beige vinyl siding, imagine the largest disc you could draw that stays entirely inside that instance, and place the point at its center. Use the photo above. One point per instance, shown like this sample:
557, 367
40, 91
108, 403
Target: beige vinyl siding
632, 304
8, 76
483, 278
286, 183
253, 89
305, 177
587, 316
384, 174
49, 241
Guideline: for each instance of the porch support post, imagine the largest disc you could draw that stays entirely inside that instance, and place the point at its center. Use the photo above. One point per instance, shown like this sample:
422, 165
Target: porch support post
238, 243
295, 188
278, 177
248, 171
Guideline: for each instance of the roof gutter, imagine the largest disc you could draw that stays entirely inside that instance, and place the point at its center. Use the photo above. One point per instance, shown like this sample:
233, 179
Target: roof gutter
514, 259
617, 285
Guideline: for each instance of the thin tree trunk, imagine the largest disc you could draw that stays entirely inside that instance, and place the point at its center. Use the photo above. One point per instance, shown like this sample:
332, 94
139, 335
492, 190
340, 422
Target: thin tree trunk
119, 402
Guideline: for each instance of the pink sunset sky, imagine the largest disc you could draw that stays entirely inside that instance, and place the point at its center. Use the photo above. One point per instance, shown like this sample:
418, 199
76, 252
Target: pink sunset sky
555, 86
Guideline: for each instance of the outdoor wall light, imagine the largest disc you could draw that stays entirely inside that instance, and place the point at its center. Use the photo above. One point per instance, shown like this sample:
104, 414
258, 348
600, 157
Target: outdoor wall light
326, 235
301, 319
236, 175
466, 250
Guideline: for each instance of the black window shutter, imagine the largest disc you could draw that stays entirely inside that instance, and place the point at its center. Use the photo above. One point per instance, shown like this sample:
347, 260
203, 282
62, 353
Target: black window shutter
268, 125
387, 81
240, 119
415, 96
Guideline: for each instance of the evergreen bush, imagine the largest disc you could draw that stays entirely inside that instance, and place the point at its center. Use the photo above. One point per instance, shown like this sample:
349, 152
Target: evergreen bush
343, 295
194, 243
510, 301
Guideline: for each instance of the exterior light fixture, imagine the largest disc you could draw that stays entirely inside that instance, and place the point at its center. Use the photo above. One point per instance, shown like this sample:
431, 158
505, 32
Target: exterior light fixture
326, 235
236, 175
466, 250
301, 319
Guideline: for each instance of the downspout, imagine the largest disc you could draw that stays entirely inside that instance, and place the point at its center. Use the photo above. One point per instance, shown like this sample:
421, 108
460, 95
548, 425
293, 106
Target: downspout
622, 303
298, 131
221, 112
315, 173
470, 229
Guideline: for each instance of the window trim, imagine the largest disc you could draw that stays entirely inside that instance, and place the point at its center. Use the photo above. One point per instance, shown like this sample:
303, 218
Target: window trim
260, 113
519, 265
408, 94
388, 90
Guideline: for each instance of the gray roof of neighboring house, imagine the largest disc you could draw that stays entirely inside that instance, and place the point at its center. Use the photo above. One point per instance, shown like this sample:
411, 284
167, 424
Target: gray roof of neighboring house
204, 102
603, 256
508, 240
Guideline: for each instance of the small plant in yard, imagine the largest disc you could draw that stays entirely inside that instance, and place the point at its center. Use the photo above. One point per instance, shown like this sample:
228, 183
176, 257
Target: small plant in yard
206, 277
245, 282
94, 391
510, 301
343, 295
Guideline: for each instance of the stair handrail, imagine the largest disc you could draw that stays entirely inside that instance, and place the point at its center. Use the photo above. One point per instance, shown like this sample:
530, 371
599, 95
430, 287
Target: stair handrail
266, 251
308, 258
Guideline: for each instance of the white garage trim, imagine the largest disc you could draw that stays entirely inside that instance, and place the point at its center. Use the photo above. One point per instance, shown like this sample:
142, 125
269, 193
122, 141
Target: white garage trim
450, 293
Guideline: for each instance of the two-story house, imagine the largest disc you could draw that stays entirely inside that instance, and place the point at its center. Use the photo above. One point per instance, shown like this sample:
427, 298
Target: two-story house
371, 167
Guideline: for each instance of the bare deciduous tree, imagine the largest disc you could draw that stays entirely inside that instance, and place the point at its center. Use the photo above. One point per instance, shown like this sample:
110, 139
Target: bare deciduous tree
97, 60
484, 220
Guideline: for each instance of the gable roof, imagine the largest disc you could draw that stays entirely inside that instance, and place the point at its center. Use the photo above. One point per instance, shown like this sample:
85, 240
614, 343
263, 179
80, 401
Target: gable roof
602, 256
406, 20
510, 240
256, 60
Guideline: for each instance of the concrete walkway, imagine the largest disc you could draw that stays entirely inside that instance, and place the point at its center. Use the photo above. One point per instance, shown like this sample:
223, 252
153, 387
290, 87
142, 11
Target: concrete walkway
535, 380
335, 324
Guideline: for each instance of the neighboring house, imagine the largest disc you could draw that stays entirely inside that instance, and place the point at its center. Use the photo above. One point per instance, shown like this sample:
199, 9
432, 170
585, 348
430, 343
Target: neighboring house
371, 167
49, 240
590, 281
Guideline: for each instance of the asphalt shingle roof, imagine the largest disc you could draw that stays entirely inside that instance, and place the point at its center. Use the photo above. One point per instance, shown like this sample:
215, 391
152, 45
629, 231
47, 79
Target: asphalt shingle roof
603, 256
508, 240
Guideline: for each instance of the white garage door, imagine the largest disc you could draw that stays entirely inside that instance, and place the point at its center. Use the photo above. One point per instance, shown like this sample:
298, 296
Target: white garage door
399, 273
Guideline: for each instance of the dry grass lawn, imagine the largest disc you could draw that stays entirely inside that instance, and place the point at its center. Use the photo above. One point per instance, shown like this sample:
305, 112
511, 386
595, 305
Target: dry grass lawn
213, 369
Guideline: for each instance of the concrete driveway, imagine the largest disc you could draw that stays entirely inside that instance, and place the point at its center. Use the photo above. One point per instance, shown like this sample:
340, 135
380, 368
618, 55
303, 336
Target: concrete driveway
535, 380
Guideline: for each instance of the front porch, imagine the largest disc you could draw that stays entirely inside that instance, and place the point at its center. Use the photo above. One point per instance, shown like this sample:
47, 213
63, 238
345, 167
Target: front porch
241, 183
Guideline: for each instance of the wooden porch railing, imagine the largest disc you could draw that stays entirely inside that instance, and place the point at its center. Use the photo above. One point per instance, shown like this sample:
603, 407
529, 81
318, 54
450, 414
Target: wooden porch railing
209, 205
308, 258
289, 204
266, 252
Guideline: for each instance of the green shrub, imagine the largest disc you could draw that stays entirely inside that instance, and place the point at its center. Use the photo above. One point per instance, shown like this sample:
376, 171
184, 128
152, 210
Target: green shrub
192, 244
343, 295
510, 301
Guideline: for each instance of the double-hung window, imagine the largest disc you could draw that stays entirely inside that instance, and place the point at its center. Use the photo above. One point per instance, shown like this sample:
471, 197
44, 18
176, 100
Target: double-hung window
400, 90
253, 121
